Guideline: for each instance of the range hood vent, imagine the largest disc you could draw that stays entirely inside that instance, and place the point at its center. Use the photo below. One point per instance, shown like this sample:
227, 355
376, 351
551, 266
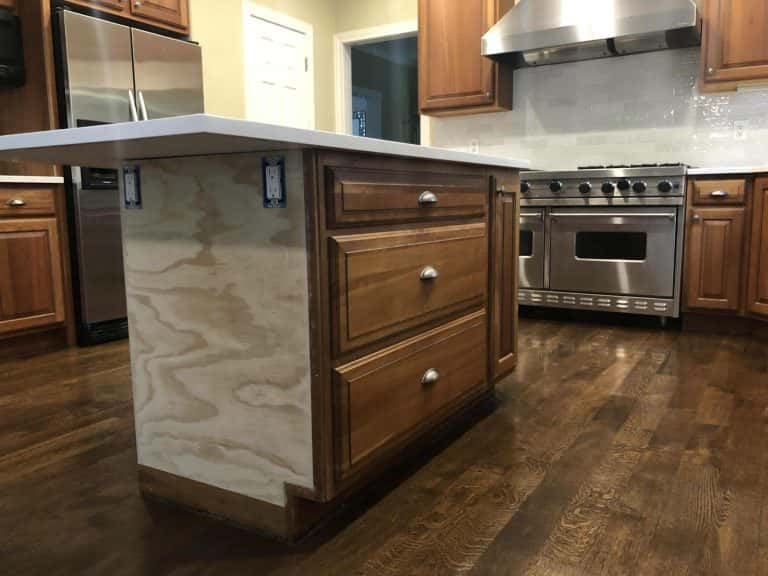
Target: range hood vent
538, 32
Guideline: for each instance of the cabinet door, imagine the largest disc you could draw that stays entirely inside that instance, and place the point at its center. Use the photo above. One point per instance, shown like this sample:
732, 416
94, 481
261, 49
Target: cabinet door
166, 12
31, 283
758, 265
108, 5
714, 258
504, 282
735, 48
452, 73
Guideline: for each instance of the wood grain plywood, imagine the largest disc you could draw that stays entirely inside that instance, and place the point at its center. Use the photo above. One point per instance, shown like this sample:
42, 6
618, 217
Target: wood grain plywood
219, 325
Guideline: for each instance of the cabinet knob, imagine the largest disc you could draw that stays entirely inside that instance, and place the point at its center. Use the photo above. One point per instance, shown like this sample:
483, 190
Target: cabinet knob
137, 4
16, 203
696, 218
718, 194
429, 273
710, 70
427, 197
430, 377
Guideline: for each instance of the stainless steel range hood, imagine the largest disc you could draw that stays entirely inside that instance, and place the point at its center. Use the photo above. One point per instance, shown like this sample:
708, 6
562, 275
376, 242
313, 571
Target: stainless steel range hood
537, 32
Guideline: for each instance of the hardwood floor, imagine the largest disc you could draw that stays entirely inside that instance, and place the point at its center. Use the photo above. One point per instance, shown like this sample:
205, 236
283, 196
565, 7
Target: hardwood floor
612, 450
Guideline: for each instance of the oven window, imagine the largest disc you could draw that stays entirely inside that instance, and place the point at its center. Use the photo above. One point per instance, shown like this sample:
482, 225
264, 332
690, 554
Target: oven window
611, 245
526, 243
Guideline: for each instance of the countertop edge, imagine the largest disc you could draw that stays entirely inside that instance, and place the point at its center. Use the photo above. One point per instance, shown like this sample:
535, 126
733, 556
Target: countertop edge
717, 171
10, 179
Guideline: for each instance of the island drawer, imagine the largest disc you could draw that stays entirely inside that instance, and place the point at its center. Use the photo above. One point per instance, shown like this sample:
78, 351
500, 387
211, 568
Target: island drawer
362, 195
719, 192
26, 200
384, 283
386, 395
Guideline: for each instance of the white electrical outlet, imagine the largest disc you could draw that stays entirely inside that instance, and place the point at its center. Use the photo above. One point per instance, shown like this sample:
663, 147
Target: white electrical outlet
740, 129
474, 146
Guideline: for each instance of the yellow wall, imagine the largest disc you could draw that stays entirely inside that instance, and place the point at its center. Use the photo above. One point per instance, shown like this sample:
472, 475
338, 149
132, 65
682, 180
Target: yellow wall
217, 26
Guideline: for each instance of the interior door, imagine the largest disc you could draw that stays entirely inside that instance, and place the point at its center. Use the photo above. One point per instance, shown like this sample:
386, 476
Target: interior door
169, 76
758, 266
279, 82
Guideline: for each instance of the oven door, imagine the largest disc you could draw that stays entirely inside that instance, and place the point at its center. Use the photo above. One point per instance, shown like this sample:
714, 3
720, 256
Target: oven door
532, 248
628, 251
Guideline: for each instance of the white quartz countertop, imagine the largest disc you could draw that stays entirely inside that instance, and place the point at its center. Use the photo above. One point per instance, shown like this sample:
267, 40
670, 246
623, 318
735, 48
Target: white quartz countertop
31, 179
726, 170
202, 134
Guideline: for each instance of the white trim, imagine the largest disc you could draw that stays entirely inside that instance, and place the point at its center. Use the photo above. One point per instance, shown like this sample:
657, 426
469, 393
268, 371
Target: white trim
342, 63
252, 9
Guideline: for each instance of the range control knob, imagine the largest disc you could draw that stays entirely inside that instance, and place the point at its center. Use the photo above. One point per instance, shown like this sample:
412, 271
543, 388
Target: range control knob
556, 186
608, 188
624, 184
639, 187
525, 187
585, 187
666, 186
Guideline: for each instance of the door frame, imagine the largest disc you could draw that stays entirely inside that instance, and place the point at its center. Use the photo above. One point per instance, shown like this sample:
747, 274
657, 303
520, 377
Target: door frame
253, 10
342, 67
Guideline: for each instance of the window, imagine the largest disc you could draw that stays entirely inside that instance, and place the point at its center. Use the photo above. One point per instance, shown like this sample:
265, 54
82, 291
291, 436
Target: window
611, 245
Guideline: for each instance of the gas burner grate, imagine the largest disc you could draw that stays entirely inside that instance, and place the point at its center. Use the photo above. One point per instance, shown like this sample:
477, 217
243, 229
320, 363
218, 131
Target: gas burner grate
623, 166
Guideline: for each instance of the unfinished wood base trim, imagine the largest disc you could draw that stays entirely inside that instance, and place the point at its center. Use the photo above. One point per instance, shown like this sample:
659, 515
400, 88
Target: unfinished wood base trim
216, 502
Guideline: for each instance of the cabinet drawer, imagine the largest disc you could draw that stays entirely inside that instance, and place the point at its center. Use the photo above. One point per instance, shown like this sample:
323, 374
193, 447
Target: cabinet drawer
26, 200
382, 397
363, 195
719, 192
392, 281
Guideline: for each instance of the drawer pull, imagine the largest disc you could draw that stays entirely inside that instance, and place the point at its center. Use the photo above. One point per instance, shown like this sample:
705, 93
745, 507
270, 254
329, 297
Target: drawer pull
696, 218
429, 273
427, 197
718, 194
16, 203
430, 377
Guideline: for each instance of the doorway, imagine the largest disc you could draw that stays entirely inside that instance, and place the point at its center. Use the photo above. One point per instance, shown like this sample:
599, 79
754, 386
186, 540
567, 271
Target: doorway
377, 83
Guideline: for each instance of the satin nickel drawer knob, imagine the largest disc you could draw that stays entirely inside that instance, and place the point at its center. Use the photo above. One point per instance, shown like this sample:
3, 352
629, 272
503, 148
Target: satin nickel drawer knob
427, 197
430, 377
16, 203
696, 218
429, 273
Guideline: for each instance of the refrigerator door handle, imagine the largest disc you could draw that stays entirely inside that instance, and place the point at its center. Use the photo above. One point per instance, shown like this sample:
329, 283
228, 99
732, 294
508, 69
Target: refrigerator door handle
132, 100
143, 106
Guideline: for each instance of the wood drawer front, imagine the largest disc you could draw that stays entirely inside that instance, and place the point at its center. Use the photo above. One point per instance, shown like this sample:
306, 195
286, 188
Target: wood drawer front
26, 200
378, 287
383, 397
360, 195
719, 192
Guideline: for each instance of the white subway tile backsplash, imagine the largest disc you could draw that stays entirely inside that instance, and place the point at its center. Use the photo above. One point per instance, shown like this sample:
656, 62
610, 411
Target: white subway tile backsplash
640, 108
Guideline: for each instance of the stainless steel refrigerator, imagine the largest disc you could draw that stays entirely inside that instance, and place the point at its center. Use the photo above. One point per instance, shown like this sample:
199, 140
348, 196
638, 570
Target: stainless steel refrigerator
112, 73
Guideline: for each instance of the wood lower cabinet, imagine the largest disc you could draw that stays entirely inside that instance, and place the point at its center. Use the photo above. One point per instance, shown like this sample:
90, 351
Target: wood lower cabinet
714, 258
757, 295
168, 14
31, 279
504, 280
734, 47
454, 78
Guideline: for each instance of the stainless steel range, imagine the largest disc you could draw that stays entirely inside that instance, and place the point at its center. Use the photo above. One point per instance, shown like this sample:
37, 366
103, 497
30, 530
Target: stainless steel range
604, 238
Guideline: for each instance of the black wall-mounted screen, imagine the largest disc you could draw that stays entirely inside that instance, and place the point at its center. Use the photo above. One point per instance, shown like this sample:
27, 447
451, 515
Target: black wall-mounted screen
11, 50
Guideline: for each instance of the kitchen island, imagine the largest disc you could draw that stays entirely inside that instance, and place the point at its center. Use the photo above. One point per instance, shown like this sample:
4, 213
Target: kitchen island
304, 307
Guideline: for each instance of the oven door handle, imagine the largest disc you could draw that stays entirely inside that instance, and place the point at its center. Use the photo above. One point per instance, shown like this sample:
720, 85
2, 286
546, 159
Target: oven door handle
531, 216
654, 215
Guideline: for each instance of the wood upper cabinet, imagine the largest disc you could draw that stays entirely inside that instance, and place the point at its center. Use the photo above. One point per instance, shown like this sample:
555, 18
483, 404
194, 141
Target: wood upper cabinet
757, 296
8, 4
112, 6
169, 14
715, 244
454, 78
504, 279
174, 13
735, 43
31, 281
